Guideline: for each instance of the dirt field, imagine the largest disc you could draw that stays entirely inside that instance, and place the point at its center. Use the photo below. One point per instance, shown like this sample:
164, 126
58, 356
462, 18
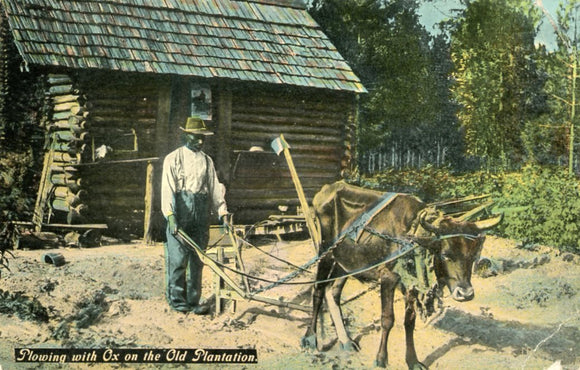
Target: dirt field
527, 316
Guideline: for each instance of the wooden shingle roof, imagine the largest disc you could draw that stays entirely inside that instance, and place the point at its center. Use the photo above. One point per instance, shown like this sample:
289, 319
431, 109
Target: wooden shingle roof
272, 41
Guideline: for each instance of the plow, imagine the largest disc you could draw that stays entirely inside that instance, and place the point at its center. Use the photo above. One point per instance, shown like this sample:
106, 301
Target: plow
227, 250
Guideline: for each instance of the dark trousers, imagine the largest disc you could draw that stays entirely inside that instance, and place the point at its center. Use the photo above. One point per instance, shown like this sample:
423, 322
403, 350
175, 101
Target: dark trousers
182, 265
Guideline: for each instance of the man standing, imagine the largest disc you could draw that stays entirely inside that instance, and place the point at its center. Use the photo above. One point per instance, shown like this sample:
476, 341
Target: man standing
189, 190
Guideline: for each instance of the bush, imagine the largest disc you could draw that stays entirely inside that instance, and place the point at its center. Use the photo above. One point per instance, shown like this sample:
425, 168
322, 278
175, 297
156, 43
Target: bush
17, 196
434, 184
541, 204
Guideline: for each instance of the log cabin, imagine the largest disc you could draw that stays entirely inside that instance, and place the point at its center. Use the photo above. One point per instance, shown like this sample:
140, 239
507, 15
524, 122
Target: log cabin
120, 76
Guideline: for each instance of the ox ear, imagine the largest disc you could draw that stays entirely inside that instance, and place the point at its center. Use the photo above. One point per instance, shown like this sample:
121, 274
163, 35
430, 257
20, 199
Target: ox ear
489, 223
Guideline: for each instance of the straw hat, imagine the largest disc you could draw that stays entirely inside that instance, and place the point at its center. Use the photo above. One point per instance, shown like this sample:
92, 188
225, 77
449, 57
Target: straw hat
195, 125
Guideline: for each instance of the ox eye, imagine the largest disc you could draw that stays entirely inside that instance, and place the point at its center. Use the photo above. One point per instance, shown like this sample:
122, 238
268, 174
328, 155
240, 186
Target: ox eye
446, 257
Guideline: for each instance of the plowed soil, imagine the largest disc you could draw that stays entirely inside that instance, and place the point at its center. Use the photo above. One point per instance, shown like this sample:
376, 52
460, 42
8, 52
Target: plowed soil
526, 314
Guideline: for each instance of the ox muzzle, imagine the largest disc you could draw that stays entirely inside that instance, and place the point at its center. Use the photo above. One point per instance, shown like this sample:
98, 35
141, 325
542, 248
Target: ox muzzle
463, 294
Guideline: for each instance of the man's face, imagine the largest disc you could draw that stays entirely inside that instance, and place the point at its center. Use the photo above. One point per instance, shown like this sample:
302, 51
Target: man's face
194, 142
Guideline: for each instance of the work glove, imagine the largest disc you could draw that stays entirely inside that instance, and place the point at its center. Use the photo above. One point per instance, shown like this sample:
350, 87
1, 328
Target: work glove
172, 224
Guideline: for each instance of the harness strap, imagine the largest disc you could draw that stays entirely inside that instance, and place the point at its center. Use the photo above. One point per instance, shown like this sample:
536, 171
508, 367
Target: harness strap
179, 161
356, 228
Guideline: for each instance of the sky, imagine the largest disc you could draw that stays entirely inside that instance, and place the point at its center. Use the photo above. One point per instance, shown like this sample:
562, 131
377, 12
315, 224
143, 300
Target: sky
438, 10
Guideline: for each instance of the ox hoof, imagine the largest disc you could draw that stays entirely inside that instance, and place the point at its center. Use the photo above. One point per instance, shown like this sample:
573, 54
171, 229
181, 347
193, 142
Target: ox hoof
308, 342
349, 346
418, 366
382, 364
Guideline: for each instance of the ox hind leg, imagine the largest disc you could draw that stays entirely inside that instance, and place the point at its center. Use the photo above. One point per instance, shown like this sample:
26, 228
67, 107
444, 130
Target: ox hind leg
388, 283
410, 317
333, 300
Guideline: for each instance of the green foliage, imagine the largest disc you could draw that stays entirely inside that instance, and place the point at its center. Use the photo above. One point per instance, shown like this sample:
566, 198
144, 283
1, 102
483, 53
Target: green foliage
21, 138
16, 187
22, 306
497, 81
16, 197
405, 70
541, 204
434, 184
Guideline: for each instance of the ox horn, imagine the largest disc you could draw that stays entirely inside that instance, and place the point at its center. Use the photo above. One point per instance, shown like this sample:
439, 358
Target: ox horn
488, 223
427, 225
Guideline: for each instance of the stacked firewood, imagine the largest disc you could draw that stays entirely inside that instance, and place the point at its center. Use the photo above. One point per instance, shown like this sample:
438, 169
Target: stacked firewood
68, 140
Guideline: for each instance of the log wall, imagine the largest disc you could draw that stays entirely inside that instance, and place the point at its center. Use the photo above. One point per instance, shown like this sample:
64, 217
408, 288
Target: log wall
137, 117
61, 197
316, 124
123, 118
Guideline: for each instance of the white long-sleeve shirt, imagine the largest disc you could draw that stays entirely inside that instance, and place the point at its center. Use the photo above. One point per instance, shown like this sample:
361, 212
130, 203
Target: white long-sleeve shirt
186, 170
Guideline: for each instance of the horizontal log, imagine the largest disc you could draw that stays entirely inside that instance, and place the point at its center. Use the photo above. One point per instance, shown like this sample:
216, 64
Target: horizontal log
59, 79
65, 157
297, 157
277, 128
125, 121
289, 109
292, 138
69, 135
338, 122
64, 192
78, 226
63, 168
59, 125
59, 99
66, 106
80, 121
60, 89
131, 90
126, 190
64, 126
68, 204
79, 111
65, 204
241, 144
71, 148
126, 108
260, 183
271, 174
117, 102
301, 102
57, 116
64, 180
117, 204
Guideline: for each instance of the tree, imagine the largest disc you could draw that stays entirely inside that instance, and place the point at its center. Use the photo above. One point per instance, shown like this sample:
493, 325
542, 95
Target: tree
497, 83
562, 85
20, 139
390, 51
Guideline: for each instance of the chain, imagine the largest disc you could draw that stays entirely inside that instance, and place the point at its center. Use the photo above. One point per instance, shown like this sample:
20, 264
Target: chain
302, 268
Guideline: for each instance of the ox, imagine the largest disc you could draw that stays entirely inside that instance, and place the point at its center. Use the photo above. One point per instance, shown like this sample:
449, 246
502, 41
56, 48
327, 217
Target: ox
454, 246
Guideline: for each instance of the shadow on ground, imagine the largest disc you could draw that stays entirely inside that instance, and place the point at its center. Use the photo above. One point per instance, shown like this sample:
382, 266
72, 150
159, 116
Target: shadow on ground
559, 342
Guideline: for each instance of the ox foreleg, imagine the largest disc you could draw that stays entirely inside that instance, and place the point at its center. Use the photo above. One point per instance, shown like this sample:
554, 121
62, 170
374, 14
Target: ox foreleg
322, 273
333, 301
410, 317
388, 281
309, 338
